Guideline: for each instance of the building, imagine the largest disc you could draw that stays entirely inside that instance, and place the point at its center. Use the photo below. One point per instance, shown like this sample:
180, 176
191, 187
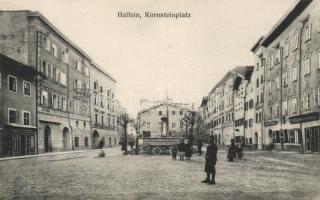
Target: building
164, 119
103, 108
291, 92
18, 131
65, 94
219, 110
257, 81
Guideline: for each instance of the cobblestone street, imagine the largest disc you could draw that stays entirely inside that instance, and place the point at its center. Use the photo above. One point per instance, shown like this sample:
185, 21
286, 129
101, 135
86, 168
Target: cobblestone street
260, 175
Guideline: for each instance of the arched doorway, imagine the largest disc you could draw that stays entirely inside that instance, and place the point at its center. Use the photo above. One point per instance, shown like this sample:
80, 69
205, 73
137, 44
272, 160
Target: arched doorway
95, 139
47, 139
219, 139
66, 138
256, 139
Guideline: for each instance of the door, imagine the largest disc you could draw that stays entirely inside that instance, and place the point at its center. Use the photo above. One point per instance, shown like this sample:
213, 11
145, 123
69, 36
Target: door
316, 138
110, 145
23, 147
308, 135
47, 139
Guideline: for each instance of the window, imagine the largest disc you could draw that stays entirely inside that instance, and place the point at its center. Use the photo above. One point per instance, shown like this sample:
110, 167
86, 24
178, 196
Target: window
294, 73
308, 32
76, 141
44, 68
54, 73
84, 125
26, 118
271, 62
63, 78
49, 70
181, 112
173, 124
13, 115
78, 65
284, 79
96, 118
95, 85
173, 112
277, 83
44, 98
76, 106
77, 124
54, 50
306, 67
48, 44
65, 56
278, 55
63, 103
86, 71
286, 50
261, 97
285, 107
86, 141
257, 81
295, 42
26, 88
276, 108
160, 112
102, 119
294, 105
181, 124
270, 87
12, 83
54, 101
261, 79
307, 101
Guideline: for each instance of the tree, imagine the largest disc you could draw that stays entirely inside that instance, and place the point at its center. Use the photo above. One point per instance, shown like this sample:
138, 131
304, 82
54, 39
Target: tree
191, 118
137, 124
123, 121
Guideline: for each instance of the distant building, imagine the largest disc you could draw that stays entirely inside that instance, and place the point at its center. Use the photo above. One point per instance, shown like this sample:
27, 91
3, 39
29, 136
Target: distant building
164, 119
18, 125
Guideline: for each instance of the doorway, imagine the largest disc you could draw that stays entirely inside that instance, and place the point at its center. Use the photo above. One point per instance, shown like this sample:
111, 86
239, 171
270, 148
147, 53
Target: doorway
66, 138
47, 139
95, 139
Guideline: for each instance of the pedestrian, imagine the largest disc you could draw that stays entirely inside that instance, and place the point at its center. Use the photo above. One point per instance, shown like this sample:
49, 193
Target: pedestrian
200, 144
211, 160
231, 151
174, 152
131, 143
188, 149
282, 144
181, 150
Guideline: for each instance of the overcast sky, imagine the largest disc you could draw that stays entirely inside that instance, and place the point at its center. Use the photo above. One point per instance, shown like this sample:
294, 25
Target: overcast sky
149, 57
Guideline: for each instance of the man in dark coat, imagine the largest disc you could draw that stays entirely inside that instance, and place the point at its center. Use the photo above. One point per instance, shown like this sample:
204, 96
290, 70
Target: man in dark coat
200, 147
211, 159
231, 151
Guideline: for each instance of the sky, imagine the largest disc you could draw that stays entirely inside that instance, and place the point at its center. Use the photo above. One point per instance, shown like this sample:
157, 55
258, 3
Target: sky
154, 57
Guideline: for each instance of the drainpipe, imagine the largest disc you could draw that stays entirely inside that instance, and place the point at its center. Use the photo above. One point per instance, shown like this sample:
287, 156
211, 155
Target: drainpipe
281, 64
263, 103
68, 96
300, 77
37, 124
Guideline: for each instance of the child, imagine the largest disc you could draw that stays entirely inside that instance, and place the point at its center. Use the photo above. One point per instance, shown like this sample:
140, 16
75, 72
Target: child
174, 152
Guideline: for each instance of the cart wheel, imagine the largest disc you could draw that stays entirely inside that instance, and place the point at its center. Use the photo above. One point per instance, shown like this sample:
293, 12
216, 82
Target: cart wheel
170, 150
156, 151
147, 149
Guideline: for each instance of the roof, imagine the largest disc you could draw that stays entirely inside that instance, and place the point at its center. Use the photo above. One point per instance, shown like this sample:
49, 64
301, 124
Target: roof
243, 71
95, 65
66, 39
162, 104
23, 69
285, 21
60, 34
257, 44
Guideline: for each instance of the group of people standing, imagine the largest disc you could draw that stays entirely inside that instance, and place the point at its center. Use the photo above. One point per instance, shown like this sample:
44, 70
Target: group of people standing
182, 150
234, 150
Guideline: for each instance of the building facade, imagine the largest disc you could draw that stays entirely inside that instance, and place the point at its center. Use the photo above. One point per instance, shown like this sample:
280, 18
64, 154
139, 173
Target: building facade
103, 108
164, 119
18, 131
291, 109
64, 92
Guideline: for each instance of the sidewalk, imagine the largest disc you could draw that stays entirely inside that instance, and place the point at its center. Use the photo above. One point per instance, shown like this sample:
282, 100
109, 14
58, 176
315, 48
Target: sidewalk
107, 150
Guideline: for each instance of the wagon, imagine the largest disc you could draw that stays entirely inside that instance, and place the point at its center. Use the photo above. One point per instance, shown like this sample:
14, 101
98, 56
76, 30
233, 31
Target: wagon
157, 146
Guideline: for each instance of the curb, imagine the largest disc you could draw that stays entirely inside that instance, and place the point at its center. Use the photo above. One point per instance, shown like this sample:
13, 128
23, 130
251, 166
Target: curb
52, 154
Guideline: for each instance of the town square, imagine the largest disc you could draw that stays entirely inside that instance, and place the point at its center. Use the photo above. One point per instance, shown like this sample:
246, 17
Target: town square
160, 99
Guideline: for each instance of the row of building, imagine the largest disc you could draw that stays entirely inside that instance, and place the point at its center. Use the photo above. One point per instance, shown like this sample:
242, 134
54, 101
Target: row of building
53, 96
276, 101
